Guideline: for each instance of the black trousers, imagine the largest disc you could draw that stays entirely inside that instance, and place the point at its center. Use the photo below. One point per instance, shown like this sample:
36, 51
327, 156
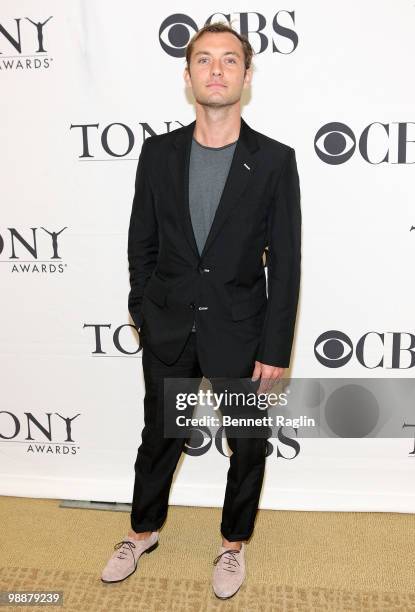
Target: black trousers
157, 456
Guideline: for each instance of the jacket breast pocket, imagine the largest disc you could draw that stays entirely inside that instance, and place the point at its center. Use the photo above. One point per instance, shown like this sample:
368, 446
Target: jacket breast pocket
156, 290
248, 307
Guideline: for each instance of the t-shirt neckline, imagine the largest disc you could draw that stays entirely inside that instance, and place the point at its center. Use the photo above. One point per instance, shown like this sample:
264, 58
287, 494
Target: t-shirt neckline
214, 148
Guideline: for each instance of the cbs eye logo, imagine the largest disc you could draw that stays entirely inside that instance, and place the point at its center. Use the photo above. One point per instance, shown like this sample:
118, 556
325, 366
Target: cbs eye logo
333, 349
379, 143
175, 33
335, 143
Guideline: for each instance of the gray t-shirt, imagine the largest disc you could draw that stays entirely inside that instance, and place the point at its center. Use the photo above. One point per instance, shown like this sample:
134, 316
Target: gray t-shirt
208, 171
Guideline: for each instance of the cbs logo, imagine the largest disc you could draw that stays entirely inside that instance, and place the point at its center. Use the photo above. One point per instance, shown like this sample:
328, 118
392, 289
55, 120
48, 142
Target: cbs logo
390, 350
176, 31
379, 143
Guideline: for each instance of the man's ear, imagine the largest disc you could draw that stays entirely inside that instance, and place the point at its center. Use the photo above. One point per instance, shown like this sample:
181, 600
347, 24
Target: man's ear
186, 76
248, 77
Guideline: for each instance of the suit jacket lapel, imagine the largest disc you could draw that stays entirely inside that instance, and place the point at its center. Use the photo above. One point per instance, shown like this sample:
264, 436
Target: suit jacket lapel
179, 158
241, 171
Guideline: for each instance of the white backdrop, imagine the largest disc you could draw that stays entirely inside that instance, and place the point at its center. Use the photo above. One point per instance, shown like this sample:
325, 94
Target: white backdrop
65, 339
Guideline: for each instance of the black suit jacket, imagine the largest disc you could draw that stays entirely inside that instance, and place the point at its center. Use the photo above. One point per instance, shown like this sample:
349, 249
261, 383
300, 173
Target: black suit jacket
224, 289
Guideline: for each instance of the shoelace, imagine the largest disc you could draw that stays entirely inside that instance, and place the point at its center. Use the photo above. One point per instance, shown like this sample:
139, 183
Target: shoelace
229, 560
129, 545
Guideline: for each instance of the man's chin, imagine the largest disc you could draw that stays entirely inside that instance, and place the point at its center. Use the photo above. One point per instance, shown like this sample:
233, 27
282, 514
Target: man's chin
214, 102
211, 104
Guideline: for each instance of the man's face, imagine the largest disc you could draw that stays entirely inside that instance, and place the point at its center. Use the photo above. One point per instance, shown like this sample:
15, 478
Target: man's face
217, 70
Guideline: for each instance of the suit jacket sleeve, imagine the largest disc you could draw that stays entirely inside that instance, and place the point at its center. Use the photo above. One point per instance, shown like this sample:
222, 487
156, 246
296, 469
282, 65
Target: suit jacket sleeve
142, 237
284, 261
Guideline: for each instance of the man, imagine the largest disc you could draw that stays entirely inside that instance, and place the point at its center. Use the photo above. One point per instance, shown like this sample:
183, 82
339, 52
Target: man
209, 198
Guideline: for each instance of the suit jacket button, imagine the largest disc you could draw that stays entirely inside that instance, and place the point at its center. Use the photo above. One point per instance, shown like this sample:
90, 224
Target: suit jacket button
202, 270
192, 305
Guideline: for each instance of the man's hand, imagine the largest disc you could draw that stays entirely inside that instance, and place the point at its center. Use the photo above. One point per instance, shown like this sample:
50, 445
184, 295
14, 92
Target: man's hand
268, 375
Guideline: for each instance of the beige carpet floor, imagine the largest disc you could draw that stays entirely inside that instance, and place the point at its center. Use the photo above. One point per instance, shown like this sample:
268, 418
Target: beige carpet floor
306, 561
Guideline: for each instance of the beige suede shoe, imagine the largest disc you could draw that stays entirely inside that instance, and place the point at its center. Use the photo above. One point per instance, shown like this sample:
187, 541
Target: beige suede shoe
123, 561
229, 572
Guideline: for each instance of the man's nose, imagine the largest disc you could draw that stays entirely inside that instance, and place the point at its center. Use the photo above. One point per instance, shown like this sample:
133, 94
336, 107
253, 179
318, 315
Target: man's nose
216, 69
